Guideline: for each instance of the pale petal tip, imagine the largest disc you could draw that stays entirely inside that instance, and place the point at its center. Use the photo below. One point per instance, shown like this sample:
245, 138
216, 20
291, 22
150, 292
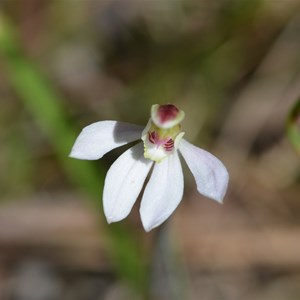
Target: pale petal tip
80, 155
225, 186
220, 200
111, 219
149, 223
72, 154
220, 194
147, 227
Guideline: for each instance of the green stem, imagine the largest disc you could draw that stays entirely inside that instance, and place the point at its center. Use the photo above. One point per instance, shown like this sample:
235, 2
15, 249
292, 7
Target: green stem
168, 279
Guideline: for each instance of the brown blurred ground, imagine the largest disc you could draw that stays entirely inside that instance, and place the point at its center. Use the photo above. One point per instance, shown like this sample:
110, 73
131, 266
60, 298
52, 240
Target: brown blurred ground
233, 66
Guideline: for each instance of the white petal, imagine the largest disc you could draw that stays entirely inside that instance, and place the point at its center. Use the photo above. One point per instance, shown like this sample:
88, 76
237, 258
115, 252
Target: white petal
210, 174
99, 138
123, 183
163, 193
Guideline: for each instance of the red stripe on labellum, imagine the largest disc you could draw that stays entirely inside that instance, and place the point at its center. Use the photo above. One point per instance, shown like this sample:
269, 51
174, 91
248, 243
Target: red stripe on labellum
152, 137
169, 145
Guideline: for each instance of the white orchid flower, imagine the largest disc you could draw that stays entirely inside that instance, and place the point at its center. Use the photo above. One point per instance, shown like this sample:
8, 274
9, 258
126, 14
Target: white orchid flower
162, 140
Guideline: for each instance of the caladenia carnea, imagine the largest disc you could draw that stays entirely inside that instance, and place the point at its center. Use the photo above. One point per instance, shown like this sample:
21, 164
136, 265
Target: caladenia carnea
162, 140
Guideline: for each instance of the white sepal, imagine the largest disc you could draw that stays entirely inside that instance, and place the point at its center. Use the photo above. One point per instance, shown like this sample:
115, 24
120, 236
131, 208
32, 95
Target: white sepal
210, 174
163, 193
99, 138
123, 183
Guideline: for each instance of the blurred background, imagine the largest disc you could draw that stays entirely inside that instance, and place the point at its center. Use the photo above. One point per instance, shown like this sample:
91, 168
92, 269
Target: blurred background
233, 66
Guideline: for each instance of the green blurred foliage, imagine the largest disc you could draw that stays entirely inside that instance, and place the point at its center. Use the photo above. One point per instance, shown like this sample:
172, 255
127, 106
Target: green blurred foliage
293, 126
45, 106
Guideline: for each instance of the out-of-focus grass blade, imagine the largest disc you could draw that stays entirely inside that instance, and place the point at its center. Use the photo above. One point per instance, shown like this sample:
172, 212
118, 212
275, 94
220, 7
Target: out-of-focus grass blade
45, 104
46, 107
293, 125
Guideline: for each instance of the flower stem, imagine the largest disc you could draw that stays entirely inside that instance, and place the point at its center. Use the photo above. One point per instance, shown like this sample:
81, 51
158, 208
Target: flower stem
168, 276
